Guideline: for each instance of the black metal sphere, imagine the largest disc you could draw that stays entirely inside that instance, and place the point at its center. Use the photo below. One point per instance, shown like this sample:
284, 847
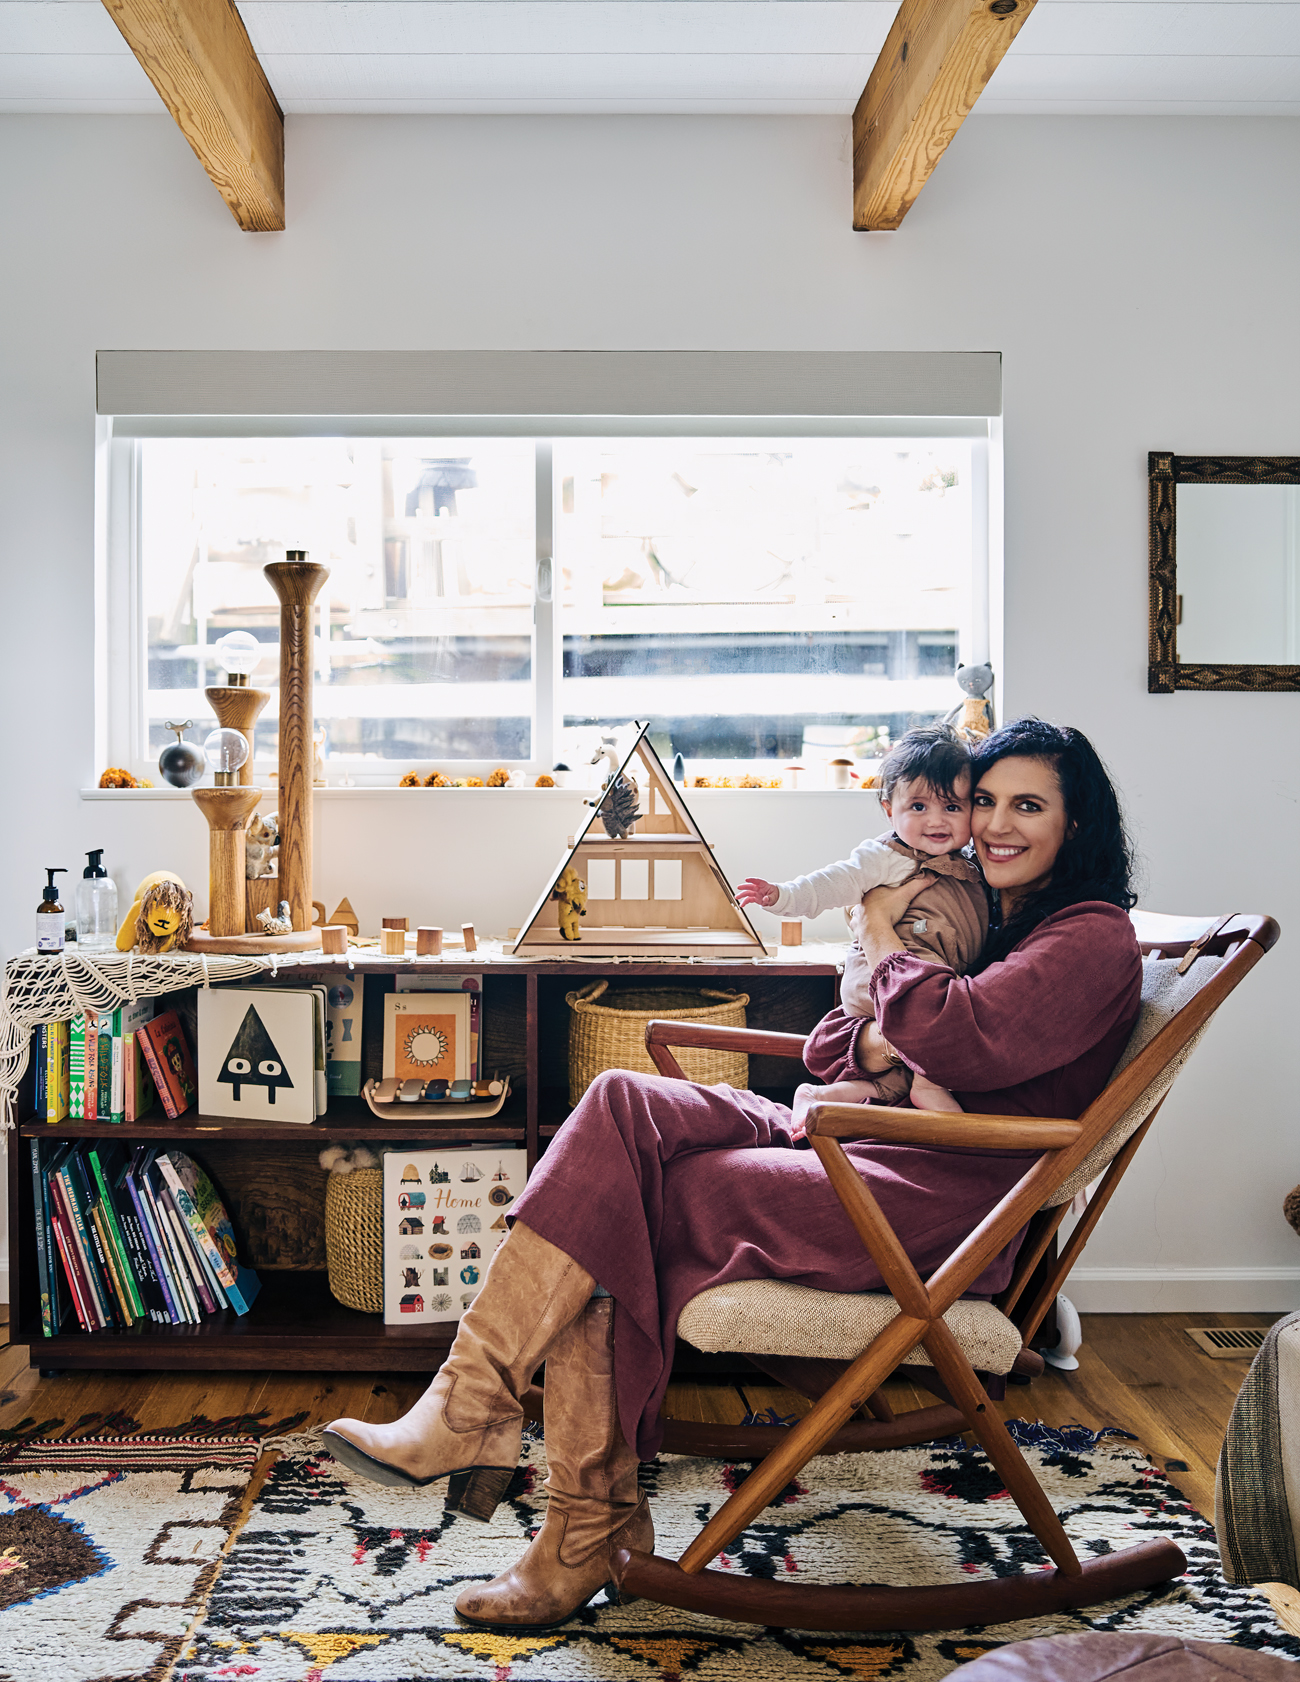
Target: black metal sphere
182, 764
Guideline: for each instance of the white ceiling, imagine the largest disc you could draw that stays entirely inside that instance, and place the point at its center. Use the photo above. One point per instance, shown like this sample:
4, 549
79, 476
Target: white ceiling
1095, 57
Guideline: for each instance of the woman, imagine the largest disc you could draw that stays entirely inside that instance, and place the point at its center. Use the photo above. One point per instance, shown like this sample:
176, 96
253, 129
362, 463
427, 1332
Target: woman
659, 1190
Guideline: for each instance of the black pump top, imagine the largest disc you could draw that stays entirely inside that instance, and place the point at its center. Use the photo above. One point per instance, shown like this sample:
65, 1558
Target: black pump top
50, 894
96, 866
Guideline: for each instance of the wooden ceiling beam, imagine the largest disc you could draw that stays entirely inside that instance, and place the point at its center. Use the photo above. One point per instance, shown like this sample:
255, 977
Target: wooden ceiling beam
198, 56
935, 63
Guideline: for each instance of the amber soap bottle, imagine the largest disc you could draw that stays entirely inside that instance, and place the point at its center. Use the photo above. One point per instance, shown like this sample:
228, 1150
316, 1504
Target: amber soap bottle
49, 915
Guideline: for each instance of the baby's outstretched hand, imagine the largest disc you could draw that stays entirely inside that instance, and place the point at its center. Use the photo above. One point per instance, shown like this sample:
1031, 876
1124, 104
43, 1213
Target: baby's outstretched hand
755, 891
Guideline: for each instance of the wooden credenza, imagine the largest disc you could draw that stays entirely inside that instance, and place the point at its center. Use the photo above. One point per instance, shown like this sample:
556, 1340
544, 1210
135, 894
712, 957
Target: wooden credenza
274, 1186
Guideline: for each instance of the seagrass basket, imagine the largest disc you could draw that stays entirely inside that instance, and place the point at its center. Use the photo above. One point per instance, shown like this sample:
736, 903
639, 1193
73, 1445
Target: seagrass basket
354, 1238
611, 1035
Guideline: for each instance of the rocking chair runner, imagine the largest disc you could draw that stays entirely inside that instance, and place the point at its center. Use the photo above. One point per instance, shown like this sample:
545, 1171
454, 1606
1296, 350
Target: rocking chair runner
872, 1335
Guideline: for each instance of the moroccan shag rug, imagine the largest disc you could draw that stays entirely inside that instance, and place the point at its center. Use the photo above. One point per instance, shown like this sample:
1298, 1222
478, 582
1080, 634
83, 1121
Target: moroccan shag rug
107, 1550
334, 1579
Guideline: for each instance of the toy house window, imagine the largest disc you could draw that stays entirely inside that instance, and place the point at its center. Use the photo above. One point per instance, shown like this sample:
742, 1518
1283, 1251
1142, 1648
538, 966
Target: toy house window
668, 878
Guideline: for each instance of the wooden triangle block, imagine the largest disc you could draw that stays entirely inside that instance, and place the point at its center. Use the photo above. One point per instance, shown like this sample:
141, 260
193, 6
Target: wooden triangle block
658, 892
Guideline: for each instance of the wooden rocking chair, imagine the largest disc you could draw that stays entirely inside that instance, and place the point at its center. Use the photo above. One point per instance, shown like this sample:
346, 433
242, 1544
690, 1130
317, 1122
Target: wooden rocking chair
1191, 968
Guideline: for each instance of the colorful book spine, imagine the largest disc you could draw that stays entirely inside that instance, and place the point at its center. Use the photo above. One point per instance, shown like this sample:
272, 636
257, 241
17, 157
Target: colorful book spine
180, 1252
186, 1245
44, 1261
38, 1052
80, 1268
77, 1068
218, 1274
168, 1055
64, 1242
123, 1308
104, 1067
56, 1071
152, 1240
92, 1068
116, 1235
83, 1204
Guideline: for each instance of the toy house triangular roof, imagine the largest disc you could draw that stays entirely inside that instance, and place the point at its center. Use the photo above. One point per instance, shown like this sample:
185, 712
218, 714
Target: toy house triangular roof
657, 892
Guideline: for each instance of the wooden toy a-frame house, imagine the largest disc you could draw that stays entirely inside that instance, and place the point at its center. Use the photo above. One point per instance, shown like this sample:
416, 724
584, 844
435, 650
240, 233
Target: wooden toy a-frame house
655, 893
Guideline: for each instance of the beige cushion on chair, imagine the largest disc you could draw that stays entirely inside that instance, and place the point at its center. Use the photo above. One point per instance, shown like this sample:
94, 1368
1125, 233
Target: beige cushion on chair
774, 1317
1164, 993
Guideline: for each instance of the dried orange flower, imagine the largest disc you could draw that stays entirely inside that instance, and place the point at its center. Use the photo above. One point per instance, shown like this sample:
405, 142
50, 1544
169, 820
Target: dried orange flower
499, 778
410, 780
471, 782
435, 779
544, 781
116, 777
702, 782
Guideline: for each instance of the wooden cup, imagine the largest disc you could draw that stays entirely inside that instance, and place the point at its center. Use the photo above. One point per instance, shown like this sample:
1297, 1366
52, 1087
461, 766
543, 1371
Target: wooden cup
334, 938
428, 943
792, 934
392, 943
471, 941
395, 923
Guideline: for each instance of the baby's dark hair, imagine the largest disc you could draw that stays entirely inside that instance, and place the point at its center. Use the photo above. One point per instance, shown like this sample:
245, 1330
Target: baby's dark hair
932, 753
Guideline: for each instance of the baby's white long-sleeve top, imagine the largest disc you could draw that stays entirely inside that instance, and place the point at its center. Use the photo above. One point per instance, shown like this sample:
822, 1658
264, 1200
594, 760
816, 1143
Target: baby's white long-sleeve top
873, 864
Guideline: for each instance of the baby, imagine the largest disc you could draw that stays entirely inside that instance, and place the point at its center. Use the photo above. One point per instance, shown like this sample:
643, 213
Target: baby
925, 791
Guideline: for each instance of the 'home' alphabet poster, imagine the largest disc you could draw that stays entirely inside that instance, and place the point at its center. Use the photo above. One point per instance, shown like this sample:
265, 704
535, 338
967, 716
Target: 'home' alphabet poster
444, 1215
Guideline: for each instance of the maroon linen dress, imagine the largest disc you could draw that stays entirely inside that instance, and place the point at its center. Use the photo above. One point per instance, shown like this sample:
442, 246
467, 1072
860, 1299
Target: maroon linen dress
662, 1189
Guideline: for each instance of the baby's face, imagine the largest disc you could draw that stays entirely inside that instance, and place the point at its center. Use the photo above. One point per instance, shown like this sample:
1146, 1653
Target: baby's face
931, 822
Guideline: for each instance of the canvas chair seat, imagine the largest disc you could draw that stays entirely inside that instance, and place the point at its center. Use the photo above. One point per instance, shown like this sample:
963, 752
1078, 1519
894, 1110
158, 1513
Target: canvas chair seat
775, 1317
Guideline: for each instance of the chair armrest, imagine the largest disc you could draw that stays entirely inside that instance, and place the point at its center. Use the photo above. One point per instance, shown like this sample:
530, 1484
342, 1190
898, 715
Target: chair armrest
659, 1036
940, 1127
757, 1041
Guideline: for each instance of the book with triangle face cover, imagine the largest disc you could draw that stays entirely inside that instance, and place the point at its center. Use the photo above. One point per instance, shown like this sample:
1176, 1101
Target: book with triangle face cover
257, 1053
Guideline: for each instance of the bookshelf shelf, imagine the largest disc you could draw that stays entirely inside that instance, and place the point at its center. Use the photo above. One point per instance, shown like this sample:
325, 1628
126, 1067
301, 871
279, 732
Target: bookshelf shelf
274, 1188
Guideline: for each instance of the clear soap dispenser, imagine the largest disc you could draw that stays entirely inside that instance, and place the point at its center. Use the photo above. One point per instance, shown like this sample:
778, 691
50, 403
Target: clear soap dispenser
96, 906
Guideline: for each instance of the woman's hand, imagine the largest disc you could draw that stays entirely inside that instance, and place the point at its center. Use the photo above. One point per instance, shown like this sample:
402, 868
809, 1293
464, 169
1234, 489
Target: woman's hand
873, 921
755, 891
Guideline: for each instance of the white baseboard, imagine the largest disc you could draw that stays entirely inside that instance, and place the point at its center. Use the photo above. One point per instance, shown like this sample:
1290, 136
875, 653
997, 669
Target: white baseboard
1181, 1290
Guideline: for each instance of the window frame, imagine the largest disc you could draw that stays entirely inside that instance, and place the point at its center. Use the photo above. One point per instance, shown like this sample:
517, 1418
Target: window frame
120, 642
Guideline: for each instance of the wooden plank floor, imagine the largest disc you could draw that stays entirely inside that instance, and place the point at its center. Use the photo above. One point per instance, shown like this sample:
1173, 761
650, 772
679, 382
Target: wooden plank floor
1136, 1371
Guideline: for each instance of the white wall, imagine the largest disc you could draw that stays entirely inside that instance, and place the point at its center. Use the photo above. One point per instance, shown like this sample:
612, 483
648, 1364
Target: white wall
1138, 275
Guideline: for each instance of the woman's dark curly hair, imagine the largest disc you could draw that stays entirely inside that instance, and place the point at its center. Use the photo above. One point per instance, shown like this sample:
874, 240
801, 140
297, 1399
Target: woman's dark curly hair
1095, 860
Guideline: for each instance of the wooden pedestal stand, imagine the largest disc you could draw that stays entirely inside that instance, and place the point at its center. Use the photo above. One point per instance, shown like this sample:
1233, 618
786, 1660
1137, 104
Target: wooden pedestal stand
237, 708
227, 811
296, 582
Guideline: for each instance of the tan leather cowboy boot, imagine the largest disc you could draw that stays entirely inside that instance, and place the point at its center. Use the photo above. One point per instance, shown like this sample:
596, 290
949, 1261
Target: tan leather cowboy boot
469, 1422
594, 1506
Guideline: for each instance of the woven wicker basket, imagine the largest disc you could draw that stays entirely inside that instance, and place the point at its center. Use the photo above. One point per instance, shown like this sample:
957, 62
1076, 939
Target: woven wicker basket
612, 1035
354, 1238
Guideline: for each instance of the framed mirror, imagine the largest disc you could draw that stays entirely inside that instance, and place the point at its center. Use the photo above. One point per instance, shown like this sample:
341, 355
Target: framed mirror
1225, 572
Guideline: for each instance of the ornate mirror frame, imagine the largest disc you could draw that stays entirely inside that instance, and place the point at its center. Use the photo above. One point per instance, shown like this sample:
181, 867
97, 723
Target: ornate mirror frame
1165, 472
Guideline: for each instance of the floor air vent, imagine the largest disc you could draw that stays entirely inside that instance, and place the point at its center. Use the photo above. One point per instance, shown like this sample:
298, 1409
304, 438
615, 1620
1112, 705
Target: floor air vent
1227, 1343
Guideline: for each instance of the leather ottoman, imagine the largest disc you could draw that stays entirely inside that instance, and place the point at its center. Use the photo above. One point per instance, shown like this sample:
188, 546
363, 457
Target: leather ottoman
1093, 1656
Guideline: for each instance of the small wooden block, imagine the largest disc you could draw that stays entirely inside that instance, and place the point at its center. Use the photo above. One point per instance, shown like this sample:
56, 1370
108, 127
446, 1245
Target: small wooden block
395, 923
428, 943
392, 943
469, 937
334, 938
792, 934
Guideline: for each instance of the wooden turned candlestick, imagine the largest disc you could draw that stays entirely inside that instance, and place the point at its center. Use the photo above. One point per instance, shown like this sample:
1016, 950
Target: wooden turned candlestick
237, 708
296, 582
227, 811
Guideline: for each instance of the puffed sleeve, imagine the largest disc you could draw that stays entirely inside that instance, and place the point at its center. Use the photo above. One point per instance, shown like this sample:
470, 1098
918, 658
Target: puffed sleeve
830, 1050
1048, 1002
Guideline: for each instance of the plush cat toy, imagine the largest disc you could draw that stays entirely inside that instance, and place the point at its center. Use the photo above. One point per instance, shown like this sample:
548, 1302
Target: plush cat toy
974, 718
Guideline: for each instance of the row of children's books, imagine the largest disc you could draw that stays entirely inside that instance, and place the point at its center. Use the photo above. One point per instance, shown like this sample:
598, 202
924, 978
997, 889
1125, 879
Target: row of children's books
264, 1053
113, 1066
129, 1238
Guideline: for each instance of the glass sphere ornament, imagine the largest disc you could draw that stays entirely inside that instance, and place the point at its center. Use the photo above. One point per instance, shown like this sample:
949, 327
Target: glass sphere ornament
227, 753
239, 652
182, 763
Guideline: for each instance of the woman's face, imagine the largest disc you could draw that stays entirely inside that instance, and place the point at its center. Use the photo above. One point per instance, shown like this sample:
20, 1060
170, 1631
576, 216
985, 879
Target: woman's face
1019, 821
